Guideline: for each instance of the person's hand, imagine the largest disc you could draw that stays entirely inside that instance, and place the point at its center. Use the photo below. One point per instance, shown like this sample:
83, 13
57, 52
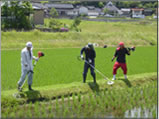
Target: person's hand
112, 59
36, 59
129, 49
89, 60
82, 57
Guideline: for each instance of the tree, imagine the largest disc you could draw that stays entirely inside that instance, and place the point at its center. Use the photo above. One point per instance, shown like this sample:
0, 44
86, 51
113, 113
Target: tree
54, 13
100, 5
17, 15
106, 11
76, 23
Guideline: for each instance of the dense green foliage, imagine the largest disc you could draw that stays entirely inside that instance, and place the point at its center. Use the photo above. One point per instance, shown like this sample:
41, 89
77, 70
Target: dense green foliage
55, 25
16, 15
54, 13
75, 24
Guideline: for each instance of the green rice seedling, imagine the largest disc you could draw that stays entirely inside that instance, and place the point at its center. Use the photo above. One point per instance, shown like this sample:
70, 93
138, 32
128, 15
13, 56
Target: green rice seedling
74, 99
154, 114
63, 99
5, 113
43, 110
37, 109
79, 97
68, 100
29, 111
87, 103
92, 101
14, 109
66, 113
20, 114
50, 107
12, 115
99, 100
63, 103
81, 103
57, 106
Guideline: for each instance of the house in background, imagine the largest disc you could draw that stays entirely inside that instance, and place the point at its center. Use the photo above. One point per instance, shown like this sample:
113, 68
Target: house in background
39, 12
38, 16
73, 13
62, 9
111, 9
148, 12
93, 12
137, 13
126, 12
83, 10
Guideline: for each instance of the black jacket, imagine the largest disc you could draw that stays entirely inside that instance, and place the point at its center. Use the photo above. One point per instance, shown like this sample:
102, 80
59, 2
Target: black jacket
120, 54
90, 53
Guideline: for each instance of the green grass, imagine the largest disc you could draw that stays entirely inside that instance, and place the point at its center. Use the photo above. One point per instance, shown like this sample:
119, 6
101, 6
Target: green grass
110, 33
60, 66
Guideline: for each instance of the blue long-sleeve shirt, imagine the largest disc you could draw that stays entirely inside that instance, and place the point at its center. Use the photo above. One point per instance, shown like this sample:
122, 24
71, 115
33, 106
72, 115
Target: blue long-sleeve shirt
89, 53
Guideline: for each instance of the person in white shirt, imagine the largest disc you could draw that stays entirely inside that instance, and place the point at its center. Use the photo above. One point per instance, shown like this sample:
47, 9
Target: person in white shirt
26, 66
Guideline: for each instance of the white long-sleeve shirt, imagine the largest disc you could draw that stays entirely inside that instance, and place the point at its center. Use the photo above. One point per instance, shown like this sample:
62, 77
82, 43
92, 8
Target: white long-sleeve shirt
26, 60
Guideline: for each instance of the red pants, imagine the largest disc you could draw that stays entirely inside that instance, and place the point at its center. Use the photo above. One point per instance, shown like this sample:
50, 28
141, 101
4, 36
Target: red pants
118, 65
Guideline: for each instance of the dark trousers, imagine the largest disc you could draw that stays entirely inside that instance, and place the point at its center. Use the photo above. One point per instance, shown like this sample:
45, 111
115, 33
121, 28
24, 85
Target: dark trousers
86, 67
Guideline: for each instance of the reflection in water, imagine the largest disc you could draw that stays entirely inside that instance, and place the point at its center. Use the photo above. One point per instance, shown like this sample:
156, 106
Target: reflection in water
141, 113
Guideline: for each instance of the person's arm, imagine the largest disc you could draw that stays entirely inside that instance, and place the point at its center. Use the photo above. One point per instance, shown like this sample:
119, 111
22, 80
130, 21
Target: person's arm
81, 54
115, 55
127, 51
94, 54
24, 59
34, 58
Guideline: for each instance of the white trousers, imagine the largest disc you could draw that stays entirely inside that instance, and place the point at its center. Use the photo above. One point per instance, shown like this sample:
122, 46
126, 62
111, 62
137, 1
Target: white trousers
23, 75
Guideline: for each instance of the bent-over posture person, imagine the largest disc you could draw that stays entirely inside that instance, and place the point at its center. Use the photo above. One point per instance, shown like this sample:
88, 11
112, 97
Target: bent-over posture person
26, 66
120, 53
90, 58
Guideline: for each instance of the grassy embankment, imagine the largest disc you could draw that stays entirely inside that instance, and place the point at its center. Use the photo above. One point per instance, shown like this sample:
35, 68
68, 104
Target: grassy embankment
132, 33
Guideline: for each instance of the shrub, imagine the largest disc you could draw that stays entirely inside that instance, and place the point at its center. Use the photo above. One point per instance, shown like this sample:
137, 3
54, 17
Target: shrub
75, 24
55, 25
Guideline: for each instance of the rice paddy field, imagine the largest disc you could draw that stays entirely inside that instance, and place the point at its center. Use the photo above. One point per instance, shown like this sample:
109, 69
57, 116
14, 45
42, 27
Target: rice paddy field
128, 103
59, 91
60, 66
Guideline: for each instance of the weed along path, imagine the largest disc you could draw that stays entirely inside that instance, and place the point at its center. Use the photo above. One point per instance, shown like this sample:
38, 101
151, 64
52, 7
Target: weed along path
75, 99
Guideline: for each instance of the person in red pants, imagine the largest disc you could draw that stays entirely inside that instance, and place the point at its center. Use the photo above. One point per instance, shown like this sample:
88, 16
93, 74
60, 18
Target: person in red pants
120, 53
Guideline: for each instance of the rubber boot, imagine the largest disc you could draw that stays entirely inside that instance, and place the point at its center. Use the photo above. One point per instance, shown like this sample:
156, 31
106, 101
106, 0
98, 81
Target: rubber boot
94, 77
30, 88
19, 88
84, 78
